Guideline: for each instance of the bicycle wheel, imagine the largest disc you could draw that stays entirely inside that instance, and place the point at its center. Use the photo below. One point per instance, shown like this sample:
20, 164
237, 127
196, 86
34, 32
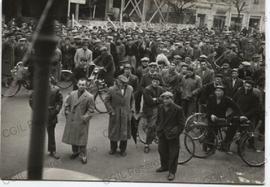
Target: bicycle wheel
251, 149
13, 88
66, 79
142, 127
186, 142
205, 145
196, 119
99, 101
197, 130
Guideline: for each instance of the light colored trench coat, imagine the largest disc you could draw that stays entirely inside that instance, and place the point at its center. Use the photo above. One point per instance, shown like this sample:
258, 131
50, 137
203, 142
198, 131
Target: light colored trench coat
122, 105
79, 111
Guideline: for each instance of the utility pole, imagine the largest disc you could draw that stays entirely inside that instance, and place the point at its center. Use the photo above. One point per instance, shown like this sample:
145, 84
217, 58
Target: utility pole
77, 12
44, 43
121, 11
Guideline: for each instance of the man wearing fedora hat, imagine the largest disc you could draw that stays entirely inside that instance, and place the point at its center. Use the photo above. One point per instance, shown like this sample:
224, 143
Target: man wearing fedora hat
170, 124
119, 102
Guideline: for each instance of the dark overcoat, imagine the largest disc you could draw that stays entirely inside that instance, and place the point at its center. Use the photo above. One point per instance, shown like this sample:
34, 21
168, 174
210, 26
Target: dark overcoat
170, 123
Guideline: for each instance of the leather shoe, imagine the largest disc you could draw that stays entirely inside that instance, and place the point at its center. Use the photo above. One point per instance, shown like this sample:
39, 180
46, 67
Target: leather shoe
54, 155
146, 149
171, 177
84, 160
73, 156
161, 169
111, 152
123, 154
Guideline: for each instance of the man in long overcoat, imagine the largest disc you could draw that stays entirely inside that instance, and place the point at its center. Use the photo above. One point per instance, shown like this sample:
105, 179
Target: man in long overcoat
119, 102
79, 109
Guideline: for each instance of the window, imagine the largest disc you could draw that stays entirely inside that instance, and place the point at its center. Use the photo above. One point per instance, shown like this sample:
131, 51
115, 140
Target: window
256, 1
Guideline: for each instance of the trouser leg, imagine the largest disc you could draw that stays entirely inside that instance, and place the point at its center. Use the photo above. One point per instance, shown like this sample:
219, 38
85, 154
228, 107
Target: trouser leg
173, 155
151, 130
123, 146
113, 145
191, 107
138, 98
210, 138
230, 133
185, 106
83, 151
75, 149
163, 150
51, 138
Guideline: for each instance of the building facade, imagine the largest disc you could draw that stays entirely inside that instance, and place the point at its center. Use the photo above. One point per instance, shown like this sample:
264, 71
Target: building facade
213, 13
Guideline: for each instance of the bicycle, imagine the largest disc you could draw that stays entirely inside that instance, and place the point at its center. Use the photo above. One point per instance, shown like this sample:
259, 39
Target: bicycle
246, 140
196, 119
19, 77
98, 88
186, 141
66, 79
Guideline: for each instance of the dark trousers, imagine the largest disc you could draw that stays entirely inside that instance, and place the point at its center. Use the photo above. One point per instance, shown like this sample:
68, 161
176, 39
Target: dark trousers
122, 146
138, 99
189, 106
51, 137
79, 149
168, 152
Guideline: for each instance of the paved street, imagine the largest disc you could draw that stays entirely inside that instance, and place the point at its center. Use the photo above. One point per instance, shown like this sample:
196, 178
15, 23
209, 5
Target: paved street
136, 166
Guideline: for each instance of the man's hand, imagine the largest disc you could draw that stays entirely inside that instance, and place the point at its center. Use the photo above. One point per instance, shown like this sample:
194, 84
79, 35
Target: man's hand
213, 117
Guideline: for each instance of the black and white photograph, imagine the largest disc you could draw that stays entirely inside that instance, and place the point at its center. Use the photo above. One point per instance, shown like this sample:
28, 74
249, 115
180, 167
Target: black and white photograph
134, 91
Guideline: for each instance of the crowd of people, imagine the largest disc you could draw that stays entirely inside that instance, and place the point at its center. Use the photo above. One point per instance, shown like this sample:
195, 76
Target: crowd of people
175, 72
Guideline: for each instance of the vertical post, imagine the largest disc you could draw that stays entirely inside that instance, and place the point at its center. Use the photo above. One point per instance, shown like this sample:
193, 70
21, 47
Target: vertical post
144, 11
68, 11
72, 20
121, 11
44, 46
77, 12
230, 15
94, 11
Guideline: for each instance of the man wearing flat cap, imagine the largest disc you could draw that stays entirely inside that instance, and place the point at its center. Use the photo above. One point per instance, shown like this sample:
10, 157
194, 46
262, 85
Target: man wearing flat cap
170, 124
151, 101
248, 101
209, 89
245, 70
217, 106
119, 102
234, 83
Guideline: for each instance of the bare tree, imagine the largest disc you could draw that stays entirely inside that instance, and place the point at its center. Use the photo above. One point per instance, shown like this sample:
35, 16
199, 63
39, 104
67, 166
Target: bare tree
240, 6
180, 6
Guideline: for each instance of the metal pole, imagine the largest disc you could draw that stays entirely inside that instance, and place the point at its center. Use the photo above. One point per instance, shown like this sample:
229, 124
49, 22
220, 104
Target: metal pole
44, 47
68, 12
121, 13
94, 12
77, 12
